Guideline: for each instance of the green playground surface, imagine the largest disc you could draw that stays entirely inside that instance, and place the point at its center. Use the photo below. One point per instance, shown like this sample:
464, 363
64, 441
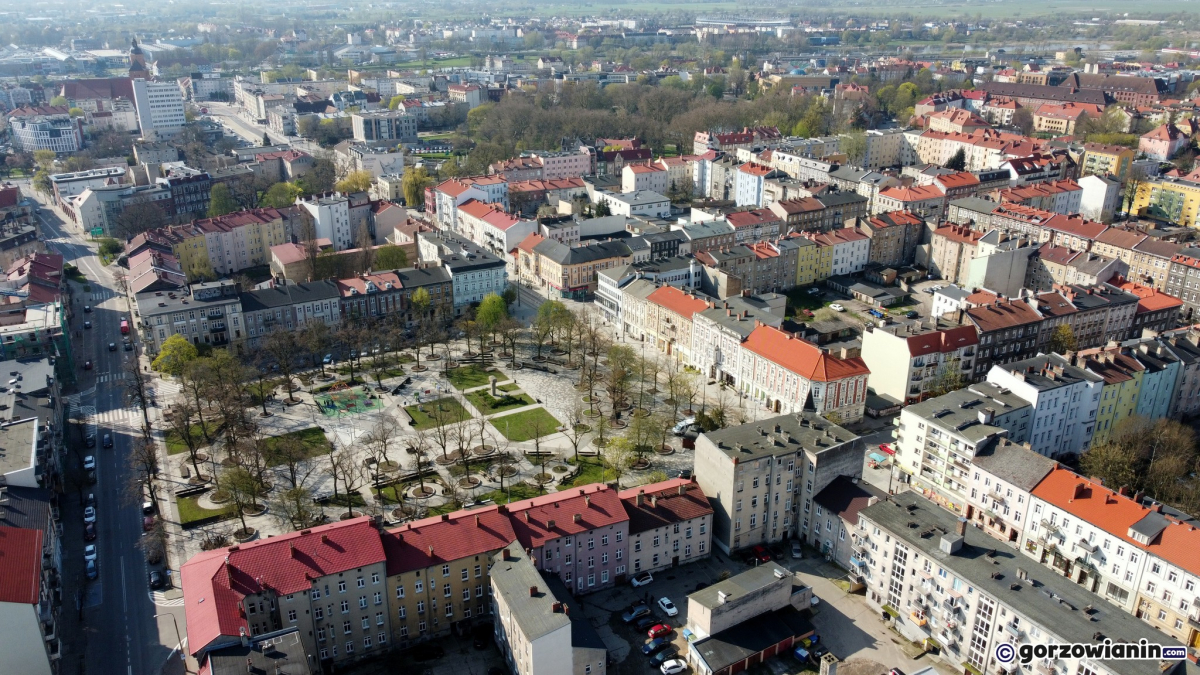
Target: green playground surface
346, 400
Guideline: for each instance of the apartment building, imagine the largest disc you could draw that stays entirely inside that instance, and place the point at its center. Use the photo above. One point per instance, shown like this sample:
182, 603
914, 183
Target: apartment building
1003, 476
384, 126
206, 313
755, 225
1156, 312
667, 321
327, 582
30, 643
1183, 281
849, 249
926, 202
937, 439
1060, 196
489, 226
572, 271
224, 245
761, 478
971, 596
789, 374
670, 524
291, 307
1123, 375
438, 572
907, 362
1101, 160
644, 177
533, 624
330, 217
1100, 198
1064, 400
719, 331
1173, 199
160, 111
835, 516
894, 236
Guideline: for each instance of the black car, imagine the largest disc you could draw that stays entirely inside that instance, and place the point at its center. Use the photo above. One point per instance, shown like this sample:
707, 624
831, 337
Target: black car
662, 657
87, 325
911, 315
646, 623
91, 477
776, 551
112, 346
107, 441
128, 346
90, 440
655, 646
87, 309
157, 580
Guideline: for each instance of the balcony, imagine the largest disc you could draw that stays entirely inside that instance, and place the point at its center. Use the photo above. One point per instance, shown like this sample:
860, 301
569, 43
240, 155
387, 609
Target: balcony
216, 327
1045, 668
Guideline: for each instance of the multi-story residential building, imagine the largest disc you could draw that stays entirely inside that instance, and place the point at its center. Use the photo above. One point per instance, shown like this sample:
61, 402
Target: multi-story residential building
1064, 400
835, 516
470, 94
927, 201
489, 226
667, 321
789, 374
1156, 312
159, 109
670, 524
951, 250
1173, 199
718, 334
30, 643
1008, 331
850, 249
330, 216
1060, 120
60, 134
761, 478
71, 184
445, 198
894, 236
386, 126
571, 271
1148, 258
1123, 376
291, 307
1003, 476
206, 313
33, 429
972, 596
1100, 198
1059, 196
1100, 160
644, 177
907, 365
189, 192
227, 244
756, 225
328, 582
1060, 266
474, 272
808, 260
749, 182
708, 235
642, 203
1183, 281
533, 624
884, 148
937, 438
801, 214
439, 572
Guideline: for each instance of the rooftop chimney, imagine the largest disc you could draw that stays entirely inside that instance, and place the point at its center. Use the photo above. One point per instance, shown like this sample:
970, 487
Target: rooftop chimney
476, 521
533, 591
576, 518
961, 527
505, 555
639, 497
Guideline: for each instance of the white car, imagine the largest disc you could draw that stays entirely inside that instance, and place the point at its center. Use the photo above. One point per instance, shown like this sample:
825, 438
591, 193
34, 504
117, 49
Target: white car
89, 463
673, 666
797, 552
641, 579
89, 514
89, 552
667, 606
837, 307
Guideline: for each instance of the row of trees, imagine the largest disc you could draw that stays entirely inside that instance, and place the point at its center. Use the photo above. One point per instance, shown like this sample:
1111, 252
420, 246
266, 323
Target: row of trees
1156, 457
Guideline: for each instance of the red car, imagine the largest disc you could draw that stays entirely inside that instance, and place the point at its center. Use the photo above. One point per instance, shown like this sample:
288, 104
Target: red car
762, 554
659, 631
148, 523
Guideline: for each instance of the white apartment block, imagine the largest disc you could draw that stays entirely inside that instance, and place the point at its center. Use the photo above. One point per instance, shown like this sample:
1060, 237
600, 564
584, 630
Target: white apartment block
905, 365
1064, 401
885, 147
1003, 476
331, 217
159, 108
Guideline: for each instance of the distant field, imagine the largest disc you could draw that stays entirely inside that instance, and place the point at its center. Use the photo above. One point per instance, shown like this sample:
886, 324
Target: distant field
998, 9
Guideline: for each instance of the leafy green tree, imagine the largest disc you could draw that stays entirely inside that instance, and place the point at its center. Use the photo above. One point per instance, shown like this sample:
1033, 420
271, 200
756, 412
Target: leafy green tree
355, 181
958, 162
396, 102
221, 201
320, 177
281, 195
176, 353
1062, 339
76, 112
491, 312
390, 257
414, 183
44, 159
41, 182
854, 146
58, 101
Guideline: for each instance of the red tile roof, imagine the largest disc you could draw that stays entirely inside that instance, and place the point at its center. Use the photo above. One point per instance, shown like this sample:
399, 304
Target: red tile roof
664, 503
597, 506
531, 240
1114, 513
751, 218
683, 304
959, 233
755, 169
1149, 299
801, 357
21, 560
1002, 314
215, 582
913, 194
441, 539
942, 341
955, 181
644, 168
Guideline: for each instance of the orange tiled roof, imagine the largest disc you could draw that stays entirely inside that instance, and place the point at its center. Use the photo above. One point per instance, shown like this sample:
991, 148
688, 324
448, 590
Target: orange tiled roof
801, 356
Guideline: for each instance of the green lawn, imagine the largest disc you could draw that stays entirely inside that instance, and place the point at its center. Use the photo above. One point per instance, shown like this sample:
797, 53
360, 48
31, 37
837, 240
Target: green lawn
312, 438
465, 377
175, 444
514, 493
354, 499
798, 298
421, 418
511, 386
520, 426
593, 471
486, 404
190, 510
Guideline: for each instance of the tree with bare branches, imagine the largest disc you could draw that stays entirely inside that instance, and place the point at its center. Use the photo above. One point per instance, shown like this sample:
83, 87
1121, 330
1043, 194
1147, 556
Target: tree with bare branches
380, 436
510, 331
576, 430
243, 489
138, 391
283, 347
179, 423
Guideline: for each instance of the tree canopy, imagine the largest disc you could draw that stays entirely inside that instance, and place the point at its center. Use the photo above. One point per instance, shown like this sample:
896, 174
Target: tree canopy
176, 353
221, 201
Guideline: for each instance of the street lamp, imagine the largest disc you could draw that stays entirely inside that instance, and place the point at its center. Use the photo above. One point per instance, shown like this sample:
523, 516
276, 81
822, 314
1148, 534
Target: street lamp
179, 642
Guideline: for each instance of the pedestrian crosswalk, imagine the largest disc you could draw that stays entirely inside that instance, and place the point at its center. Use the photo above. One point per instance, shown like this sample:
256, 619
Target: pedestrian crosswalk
160, 598
101, 295
110, 377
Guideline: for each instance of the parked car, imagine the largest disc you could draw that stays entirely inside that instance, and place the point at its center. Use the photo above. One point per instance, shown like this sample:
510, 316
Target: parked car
91, 477
680, 473
91, 499
760, 554
655, 646
667, 606
112, 346
89, 552
106, 441
128, 346
157, 580
659, 631
635, 614
87, 325
89, 463
673, 667
813, 291
148, 523
776, 551
328, 360
89, 514
89, 532
911, 314
662, 657
646, 623
797, 552
641, 579
837, 307
678, 429
93, 570
90, 440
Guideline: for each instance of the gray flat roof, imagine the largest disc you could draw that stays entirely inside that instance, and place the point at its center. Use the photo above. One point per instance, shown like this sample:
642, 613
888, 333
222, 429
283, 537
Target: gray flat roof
1048, 599
736, 644
16, 445
736, 587
959, 410
1014, 463
806, 430
1032, 370
533, 612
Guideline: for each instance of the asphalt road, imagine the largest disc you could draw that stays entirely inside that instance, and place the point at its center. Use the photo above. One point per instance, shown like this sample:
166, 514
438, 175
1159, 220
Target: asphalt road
120, 634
